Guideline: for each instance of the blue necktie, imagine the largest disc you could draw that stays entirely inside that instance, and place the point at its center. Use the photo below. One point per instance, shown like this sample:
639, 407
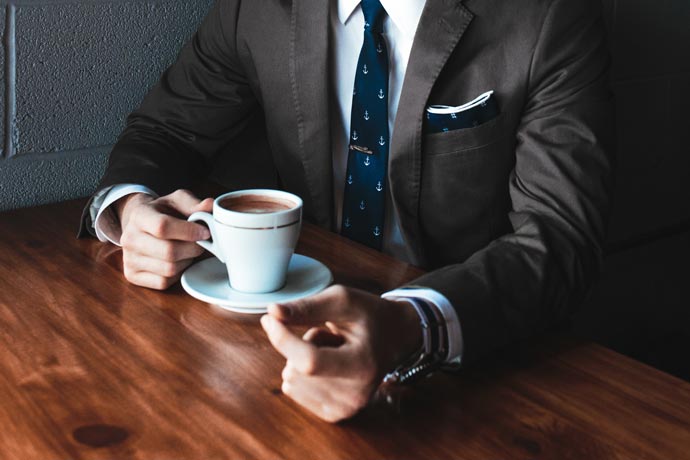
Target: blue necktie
365, 184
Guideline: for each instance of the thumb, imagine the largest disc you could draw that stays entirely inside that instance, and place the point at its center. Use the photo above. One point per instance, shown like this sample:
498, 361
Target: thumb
323, 337
332, 304
205, 205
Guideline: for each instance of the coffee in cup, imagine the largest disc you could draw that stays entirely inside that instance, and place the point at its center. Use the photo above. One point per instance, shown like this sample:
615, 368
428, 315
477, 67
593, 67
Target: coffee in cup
254, 232
256, 204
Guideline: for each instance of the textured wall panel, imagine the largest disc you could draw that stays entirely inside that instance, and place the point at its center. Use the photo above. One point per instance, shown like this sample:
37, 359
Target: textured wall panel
653, 180
82, 67
3, 103
34, 180
651, 38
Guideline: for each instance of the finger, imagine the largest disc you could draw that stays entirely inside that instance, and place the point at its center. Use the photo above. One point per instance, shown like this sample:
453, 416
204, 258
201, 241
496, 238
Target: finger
345, 389
304, 356
308, 400
334, 329
206, 205
333, 304
285, 342
322, 337
165, 268
167, 227
325, 398
150, 280
141, 243
182, 201
152, 220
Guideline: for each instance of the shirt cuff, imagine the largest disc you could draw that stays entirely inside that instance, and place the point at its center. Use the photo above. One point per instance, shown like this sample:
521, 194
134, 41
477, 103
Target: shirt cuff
443, 305
105, 222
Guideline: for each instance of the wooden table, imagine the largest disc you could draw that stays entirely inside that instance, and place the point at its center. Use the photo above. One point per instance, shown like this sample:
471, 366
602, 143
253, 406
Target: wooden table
94, 368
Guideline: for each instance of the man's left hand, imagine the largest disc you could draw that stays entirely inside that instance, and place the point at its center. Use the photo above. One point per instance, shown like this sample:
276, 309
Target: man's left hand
355, 339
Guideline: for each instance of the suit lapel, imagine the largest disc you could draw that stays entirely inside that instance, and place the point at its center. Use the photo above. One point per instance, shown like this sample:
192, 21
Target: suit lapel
310, 77
441, 26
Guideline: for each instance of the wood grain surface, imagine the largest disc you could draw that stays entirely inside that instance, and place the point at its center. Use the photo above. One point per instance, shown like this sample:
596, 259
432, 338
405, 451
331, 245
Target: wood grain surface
94, 368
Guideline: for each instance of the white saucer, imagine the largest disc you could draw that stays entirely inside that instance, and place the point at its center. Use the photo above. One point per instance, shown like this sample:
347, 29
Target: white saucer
208, 281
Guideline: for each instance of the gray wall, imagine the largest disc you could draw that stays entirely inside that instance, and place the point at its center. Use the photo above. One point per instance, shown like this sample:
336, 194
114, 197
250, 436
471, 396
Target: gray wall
70, 73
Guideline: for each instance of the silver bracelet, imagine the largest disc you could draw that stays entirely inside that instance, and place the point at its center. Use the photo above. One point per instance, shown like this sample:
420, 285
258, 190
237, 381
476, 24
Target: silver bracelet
433, 351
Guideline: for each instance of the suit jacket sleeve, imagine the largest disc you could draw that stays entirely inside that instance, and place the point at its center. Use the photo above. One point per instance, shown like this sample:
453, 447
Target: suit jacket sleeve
195, 110
527, 280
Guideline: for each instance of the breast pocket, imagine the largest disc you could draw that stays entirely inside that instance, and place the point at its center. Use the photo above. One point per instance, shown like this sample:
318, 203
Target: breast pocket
465, 140
464, 187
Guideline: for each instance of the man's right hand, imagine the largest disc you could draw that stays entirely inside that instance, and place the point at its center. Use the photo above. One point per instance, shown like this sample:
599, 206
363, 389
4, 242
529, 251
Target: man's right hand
157, 241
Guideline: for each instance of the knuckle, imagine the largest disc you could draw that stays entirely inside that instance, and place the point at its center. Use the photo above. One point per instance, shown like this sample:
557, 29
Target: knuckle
348, 413
180, 192
309, 365
168, 269
342, 293
169, 252
125, 239
339, 290
129, 268
129, 237
160, 283
331, 415
129, 273
159, 226
357, 402
307, 368
286, 388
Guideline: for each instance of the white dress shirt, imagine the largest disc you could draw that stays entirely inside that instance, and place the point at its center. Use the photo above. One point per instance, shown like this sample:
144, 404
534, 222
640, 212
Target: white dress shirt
347, 34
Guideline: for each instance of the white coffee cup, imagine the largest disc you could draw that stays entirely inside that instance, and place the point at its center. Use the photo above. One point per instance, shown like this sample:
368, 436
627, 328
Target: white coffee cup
254, 233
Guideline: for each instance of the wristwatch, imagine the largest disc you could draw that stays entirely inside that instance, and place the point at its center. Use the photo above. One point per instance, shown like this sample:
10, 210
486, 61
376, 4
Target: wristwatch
433, 352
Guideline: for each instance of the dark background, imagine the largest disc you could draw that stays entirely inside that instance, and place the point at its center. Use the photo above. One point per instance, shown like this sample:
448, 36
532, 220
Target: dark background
641, 306
70, 71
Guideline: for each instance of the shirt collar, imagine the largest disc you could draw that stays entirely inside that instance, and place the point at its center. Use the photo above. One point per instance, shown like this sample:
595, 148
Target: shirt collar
404, 13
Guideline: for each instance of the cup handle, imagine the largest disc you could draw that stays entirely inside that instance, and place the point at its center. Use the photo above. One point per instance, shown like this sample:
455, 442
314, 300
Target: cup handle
210, 245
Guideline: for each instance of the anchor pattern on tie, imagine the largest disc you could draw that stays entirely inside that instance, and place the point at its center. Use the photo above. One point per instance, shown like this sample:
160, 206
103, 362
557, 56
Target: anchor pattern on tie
363, 201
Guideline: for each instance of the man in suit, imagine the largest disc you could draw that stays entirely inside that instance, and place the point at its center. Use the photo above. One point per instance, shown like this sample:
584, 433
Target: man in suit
508, 216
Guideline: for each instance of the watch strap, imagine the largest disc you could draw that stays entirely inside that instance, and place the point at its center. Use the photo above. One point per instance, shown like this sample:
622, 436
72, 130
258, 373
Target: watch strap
434, 349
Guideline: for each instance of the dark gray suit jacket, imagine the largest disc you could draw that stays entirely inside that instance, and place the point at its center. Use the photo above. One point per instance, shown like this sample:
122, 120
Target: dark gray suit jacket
509, 216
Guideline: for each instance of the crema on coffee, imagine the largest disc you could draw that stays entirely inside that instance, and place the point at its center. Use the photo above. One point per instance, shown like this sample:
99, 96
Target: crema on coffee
256, 204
